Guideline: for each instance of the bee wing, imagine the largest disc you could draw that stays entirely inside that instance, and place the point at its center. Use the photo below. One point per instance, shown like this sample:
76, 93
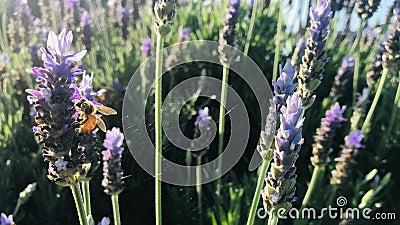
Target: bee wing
100, 123
106, 110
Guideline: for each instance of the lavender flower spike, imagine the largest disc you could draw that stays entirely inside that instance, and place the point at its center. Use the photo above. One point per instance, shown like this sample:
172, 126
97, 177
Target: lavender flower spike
71, 157
359, 110
280, 182
6, 220
391, 54
366, 8
228, 34
314, 59
146, 47
342, 77
112, 171
346, 161
325, 133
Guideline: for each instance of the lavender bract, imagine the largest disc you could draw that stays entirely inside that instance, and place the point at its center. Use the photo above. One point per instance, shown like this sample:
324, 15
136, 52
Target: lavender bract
71, 157
346, 161
314, 59
112, 171
325, 133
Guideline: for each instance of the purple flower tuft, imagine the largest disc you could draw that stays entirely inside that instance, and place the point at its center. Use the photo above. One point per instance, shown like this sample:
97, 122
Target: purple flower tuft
112, 171
6, 220
146, 47
325, 134
105, 221
346, 161
4, 58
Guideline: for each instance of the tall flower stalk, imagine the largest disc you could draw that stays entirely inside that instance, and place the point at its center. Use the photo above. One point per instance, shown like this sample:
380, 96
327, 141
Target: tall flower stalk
227, 37
283, 88
278, 40
72, 157
281, 178
164, 12
112, 171
322, 147
390, 63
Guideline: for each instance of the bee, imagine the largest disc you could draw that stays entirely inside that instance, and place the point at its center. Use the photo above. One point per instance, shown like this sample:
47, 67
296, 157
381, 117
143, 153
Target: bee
87, 118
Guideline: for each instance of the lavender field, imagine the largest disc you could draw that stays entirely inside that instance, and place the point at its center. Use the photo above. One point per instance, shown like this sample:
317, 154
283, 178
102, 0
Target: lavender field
199, 112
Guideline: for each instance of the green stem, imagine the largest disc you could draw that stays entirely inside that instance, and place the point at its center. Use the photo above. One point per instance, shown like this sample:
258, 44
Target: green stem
331, 196
115, 207
375, 101
199, 189
79, 203
260, 183
273, 219
277, 43
316, 177
356, 50
158, 131
396, 106
86, 197
315, 180
251, 26
221, 124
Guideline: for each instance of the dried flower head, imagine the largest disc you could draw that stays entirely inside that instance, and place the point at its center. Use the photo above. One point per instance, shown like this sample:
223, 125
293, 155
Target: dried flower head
391, 54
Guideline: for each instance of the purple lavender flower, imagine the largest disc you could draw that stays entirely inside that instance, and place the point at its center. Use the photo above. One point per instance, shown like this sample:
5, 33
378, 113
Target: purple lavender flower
314, 59
112, 171
34, 52
105, 221
85, 90
86, 26
146, 47
6, 220
72, 157
4, 59
71, 3
346, 161
325, 134
342, 77
281, 179
184, 35
228, 33
284, 86
203, 118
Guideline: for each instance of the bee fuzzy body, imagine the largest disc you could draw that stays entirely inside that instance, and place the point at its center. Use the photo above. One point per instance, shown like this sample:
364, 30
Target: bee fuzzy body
87, 117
